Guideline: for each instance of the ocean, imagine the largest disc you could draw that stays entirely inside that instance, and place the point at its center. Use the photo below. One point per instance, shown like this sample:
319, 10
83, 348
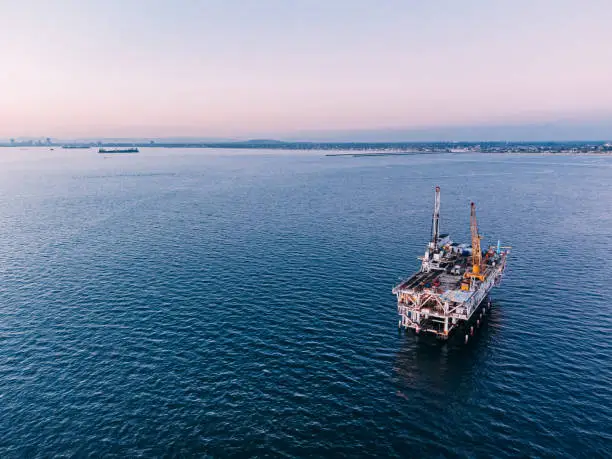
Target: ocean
221, 303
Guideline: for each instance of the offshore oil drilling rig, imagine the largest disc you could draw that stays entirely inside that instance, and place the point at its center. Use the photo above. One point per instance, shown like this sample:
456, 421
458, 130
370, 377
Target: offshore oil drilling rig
451, 289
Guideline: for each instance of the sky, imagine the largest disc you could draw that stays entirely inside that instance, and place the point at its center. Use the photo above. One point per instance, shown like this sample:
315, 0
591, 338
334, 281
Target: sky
299, 68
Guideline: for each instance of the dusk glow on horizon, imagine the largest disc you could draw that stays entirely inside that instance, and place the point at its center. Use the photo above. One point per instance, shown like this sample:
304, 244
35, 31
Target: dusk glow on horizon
229, 68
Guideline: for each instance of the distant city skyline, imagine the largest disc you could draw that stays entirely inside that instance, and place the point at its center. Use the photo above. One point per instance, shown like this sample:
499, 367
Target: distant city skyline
306, 70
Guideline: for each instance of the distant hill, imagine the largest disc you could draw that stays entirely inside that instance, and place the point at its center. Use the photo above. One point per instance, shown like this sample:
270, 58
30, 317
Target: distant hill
262, 141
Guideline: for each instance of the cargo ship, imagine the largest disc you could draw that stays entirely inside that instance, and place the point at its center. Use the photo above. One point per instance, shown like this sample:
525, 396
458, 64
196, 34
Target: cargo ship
451, 290
118, 150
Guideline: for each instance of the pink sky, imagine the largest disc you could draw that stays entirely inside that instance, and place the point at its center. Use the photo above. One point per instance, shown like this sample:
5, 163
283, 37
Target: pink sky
232, 69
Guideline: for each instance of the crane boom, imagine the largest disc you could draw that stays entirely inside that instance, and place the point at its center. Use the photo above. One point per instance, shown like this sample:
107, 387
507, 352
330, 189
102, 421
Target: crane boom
476, 251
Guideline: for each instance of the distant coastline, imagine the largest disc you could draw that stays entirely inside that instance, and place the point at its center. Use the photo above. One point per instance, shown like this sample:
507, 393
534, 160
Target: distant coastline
360, 148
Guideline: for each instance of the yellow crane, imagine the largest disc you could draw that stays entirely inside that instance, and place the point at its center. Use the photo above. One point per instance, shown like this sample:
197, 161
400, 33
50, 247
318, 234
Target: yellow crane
476, 271
476, 251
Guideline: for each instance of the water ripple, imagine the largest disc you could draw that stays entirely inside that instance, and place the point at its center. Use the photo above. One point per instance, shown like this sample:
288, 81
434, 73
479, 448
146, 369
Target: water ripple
179, 305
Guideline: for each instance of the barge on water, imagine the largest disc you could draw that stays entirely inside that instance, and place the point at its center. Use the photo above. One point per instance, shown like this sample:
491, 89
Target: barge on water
118, 150
446, 294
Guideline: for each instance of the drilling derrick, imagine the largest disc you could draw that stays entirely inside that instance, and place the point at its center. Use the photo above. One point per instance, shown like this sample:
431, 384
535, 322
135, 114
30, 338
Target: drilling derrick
435, 221
431, 259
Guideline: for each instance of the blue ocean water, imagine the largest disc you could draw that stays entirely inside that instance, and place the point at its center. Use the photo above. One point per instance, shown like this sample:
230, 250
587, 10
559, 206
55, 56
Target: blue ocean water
221, 303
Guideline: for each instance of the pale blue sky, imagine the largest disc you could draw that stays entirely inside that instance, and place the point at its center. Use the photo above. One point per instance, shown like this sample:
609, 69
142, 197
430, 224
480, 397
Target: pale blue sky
275, 68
